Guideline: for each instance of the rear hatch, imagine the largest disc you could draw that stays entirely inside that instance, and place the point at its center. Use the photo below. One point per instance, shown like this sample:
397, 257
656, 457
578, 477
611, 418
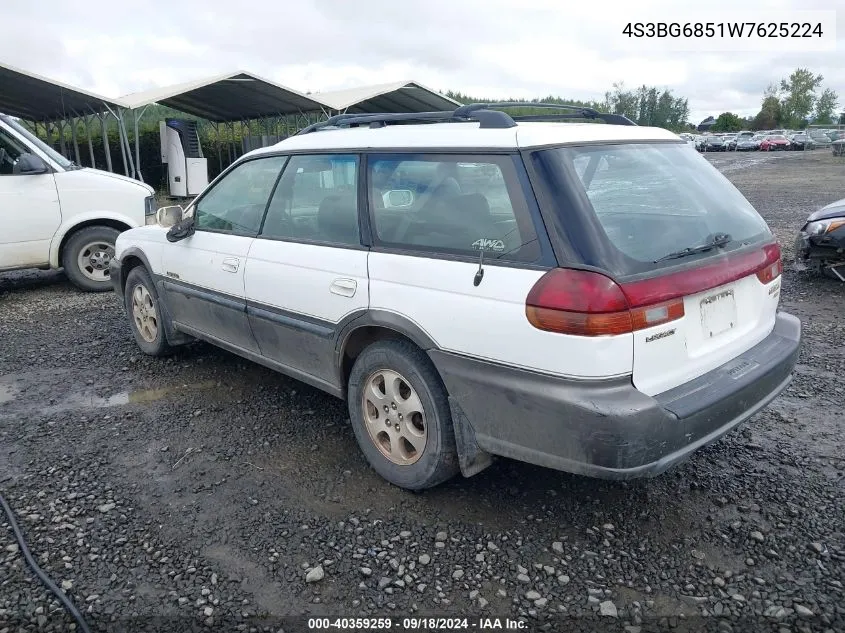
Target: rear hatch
697, 264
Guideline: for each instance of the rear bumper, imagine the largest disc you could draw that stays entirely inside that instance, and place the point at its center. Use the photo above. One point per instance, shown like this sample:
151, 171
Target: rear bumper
607, 428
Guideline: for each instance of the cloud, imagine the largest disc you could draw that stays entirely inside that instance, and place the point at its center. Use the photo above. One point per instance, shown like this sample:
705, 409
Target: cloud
490, 48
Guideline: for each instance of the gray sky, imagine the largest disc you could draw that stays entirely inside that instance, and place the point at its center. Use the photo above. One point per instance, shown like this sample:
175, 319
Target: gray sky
487, 48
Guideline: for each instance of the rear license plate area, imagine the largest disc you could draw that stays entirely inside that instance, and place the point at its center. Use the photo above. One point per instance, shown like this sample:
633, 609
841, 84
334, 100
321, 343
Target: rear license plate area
718, 313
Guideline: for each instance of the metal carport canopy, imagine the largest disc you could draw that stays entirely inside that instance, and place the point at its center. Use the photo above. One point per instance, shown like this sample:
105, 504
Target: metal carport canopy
398, 96
31, 97
237, 96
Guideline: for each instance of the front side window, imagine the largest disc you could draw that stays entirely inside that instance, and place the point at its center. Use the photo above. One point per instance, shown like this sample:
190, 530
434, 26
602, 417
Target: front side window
654, 199
37, 142
316, 201
10, 151
237, 202
451, 204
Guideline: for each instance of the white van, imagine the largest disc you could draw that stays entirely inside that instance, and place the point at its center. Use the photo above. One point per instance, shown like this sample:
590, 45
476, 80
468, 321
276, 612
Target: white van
54, 213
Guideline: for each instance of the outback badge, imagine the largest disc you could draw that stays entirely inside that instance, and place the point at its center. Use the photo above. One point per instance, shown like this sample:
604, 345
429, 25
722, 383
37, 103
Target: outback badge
659, 335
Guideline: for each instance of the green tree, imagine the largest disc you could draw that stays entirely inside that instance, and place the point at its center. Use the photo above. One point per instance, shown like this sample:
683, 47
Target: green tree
826, 107
647, 105
622, 101
770, 115
727, 122
799, 95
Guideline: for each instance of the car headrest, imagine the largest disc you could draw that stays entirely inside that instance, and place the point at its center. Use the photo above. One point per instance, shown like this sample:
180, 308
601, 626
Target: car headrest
468, 209
337, 218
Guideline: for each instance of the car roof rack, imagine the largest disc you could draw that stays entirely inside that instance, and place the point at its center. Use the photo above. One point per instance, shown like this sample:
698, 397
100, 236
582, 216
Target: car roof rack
576, 112
488, 115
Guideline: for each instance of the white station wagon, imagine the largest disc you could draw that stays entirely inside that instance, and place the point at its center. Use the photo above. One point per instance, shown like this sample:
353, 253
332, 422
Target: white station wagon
592, 298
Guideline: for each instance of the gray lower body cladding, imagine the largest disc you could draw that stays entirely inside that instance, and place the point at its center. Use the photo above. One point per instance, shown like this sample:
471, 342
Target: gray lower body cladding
607, 428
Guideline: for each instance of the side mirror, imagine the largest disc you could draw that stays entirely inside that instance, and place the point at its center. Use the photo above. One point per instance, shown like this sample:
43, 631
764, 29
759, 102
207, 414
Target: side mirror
170, 216
30, 165
180, 231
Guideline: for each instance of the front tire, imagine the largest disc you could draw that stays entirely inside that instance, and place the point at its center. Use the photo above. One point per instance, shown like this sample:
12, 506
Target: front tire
86, 257
400, 414
145, 314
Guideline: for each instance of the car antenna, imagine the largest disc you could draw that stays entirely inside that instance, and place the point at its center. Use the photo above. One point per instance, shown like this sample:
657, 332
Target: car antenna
479, 275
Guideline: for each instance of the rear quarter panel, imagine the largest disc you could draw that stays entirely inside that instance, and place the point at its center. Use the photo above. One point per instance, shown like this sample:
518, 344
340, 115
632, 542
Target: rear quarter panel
488, 321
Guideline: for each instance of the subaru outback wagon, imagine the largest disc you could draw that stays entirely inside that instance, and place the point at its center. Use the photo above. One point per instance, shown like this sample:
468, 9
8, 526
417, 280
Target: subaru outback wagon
594, 298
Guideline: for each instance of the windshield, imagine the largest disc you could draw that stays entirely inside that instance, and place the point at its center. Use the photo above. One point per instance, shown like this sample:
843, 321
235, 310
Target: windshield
777, 137
653, 199
37, 142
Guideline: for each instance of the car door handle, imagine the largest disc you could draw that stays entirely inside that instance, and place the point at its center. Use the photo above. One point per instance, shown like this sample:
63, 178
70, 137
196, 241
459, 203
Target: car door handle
230, 264
344, 287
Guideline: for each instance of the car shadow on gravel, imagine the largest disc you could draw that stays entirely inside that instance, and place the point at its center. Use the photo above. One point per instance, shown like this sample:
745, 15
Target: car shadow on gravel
31, 280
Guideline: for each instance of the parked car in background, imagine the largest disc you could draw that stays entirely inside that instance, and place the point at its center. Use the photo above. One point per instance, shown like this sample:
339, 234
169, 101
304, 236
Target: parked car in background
801, 142
747, 144
713, 143
54, 213
838, 147
689, 138
774, 142
821, 241
729, 141
424, 274
820, 139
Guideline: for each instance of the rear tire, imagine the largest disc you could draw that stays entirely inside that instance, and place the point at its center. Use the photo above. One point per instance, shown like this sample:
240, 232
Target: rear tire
400, 414
144, 312
86, 257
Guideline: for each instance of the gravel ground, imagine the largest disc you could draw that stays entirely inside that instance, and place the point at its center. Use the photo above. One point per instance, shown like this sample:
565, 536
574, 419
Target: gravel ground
203, 492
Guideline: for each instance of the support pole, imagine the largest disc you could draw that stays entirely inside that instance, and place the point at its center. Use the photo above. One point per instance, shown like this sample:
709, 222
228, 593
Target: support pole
122, 125
125, 149
122, 147
106, 147
73, 125
219, 148
90, 142
137, 118
62, 145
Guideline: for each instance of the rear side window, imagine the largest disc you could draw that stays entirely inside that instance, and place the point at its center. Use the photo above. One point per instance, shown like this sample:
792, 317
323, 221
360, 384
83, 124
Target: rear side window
451, 204
654, 199
316, 200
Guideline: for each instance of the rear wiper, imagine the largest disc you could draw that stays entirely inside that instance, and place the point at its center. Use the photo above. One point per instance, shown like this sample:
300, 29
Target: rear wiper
717, 240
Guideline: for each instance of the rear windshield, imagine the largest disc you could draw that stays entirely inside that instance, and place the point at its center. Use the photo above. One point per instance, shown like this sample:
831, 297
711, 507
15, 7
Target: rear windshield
655, 199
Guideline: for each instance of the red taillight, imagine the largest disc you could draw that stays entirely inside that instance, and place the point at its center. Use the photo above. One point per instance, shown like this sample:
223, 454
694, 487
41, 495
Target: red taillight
588, 303
578, 302
773, 268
